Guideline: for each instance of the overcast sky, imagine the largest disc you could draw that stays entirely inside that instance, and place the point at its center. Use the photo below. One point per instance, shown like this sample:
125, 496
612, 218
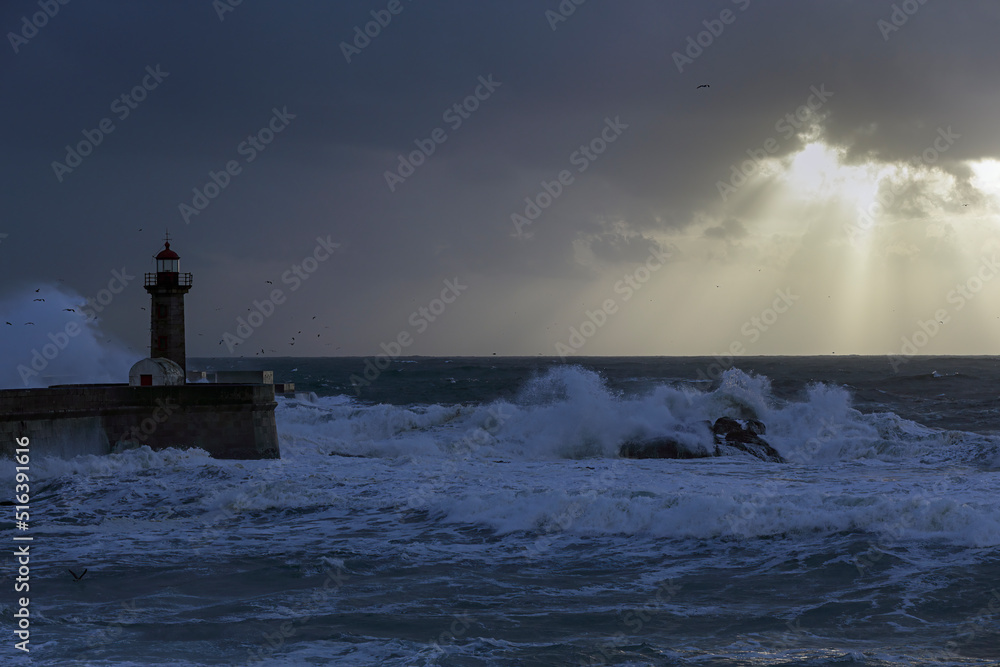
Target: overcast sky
647, 239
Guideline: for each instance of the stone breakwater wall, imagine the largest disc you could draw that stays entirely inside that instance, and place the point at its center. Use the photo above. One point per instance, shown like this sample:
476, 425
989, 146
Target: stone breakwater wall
227, 421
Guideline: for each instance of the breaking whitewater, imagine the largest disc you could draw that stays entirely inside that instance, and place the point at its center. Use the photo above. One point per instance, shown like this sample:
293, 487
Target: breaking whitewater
477, 512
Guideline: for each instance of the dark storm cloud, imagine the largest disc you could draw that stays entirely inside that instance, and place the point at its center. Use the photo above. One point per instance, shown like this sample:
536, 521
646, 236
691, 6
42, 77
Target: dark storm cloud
325, 173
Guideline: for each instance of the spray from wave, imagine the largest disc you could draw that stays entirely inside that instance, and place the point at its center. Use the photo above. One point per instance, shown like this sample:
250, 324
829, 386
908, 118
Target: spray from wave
49, 336
569, 412
544, 463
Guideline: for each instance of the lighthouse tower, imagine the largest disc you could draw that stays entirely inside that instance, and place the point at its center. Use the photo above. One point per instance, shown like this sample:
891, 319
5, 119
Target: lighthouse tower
167, 288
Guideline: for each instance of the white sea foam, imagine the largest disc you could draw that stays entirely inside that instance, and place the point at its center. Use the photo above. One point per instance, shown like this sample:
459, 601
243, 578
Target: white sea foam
728, 501
570, 413
545, 463
523, 465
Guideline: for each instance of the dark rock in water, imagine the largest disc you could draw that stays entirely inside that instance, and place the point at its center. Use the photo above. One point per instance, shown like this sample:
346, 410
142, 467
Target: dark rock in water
743, 435
658, 448
724, 425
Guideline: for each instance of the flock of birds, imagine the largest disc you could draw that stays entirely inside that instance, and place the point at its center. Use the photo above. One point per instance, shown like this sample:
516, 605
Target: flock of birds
10, 324
290, 343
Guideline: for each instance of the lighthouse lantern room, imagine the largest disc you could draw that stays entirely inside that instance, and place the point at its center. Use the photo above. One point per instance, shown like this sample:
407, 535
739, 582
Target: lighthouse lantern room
167, 261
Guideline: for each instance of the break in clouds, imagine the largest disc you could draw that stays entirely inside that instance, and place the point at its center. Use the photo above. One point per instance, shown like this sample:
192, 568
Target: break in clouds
538, 153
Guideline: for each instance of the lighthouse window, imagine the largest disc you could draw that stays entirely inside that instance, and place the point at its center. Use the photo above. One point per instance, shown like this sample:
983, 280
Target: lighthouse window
161, 343
161, 311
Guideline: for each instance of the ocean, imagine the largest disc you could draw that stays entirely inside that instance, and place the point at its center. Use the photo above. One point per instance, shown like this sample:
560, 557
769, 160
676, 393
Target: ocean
474, 512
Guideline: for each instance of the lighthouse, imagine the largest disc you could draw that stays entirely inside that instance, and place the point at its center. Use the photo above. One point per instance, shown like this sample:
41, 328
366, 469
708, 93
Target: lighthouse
231, 419
167, 288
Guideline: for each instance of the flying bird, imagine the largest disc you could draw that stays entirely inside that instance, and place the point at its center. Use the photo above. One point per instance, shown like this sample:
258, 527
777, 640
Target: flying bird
704, 85
268, 282
9, 324
78, 577
72, 310
27, 323
39, 299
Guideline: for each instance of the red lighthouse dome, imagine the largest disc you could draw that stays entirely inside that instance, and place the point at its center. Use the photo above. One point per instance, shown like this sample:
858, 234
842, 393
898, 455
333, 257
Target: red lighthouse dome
167, 260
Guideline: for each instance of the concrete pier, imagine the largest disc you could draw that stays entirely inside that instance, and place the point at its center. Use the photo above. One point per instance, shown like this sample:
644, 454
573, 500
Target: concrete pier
227, 421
